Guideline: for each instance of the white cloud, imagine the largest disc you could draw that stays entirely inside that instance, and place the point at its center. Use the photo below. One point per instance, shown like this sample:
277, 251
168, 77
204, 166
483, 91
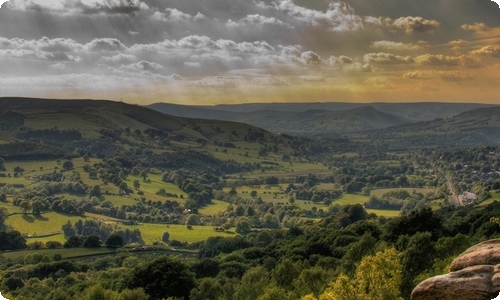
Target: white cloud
175, 15
387, 58
409, 24
394, 46
257, 20
79, 7
338, 17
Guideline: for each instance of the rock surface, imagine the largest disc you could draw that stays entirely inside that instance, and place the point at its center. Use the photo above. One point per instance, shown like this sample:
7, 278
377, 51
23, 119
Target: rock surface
475, 276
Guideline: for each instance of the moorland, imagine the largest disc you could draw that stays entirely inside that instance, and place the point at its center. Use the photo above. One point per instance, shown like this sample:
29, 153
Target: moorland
108, 200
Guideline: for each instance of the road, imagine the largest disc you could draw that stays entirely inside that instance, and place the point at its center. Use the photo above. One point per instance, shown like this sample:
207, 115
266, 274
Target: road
453, 197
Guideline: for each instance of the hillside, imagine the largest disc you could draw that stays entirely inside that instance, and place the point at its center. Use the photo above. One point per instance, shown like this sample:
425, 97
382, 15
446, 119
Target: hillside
307, 122
477, 127
48, 128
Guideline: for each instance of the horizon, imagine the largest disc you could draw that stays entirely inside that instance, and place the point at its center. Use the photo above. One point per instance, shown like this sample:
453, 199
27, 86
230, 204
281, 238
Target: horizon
237, 52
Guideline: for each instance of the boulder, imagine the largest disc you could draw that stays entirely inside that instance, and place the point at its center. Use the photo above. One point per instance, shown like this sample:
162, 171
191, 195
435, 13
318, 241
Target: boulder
475, 275
471, 283
485, 253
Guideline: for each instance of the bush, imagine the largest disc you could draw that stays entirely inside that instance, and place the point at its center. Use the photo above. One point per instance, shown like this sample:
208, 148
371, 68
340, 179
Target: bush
165, 237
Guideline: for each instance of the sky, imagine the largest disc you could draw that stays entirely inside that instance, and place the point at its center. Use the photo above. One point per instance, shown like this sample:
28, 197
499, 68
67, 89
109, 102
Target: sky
200, 52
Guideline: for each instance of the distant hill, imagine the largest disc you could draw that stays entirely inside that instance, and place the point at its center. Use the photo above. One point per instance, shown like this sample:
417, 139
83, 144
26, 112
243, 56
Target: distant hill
108, 127
479, 126
320, 118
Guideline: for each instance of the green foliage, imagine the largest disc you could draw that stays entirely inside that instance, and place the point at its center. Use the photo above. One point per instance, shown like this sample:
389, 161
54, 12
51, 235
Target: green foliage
92, 241
163, 277
114, 240
417, 257
208, 289
165, 237
253, 283
285, 273
12, 240
376, 277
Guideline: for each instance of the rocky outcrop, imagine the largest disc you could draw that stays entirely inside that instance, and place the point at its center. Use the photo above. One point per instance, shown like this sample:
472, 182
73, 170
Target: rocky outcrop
475, 275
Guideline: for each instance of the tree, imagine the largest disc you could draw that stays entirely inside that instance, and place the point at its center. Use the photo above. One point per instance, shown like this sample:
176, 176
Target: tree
13, 283
25, 206
311, 281
67, 165
144, 175
114, 241
11, 240
4, 214
165, 237
253, 194
94, 191
137, 184
208, 289
92, 241
285, 273
418, 257
253, 283
243, 226
376, 277
164, 277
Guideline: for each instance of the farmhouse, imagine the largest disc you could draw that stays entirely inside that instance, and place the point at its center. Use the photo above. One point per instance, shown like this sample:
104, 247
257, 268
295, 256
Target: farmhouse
467, 197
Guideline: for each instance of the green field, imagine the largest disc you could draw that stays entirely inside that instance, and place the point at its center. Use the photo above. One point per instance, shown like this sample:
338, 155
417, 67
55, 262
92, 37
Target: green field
347, 199
380, 192
214, 208
35, 225
153, 232
495, 196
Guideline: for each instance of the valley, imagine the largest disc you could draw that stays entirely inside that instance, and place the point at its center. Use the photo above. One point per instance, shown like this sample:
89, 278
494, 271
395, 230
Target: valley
108, 186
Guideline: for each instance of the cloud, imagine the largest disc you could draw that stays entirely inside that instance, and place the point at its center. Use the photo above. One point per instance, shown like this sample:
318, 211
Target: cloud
216, 81
339, 17
410, 25
58, 66
175, 15
444, 75
476, 27
87, 7
313, 78
396, 46
143, 66
387, 58
105, 44
341, 60
257, 20
416, 24
269, 80
491, 51
446, 60
58, 49
348, 64
121, 58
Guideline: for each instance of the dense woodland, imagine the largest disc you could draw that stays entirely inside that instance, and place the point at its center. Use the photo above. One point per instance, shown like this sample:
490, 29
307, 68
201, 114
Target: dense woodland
283, 232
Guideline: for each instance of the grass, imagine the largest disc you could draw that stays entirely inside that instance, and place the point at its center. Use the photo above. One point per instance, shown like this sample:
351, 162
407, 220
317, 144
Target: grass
214, 208
380, 192
349, 199
64, 252
153, 232
153, 185
384, 212
495, 196
48, 222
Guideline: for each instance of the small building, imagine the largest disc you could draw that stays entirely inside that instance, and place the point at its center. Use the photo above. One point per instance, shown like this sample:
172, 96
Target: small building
467, 197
